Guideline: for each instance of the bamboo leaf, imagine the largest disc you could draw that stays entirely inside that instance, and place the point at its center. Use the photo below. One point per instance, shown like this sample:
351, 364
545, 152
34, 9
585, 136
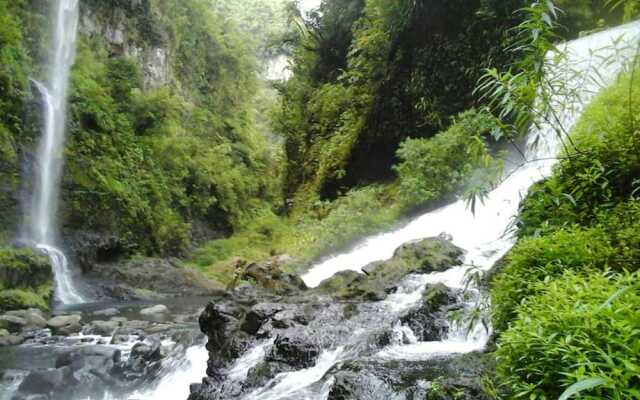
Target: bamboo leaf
585, 384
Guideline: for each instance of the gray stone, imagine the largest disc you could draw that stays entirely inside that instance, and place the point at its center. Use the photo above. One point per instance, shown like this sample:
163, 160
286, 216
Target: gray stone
102, 328
12, 323
155, 310
63, 320
109, 312
33, 317
11, 340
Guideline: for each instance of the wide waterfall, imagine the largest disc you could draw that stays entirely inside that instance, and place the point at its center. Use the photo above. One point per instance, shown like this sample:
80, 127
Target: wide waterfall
42, 218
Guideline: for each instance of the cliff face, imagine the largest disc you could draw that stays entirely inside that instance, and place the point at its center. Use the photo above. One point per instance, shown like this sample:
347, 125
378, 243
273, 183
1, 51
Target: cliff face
135, 30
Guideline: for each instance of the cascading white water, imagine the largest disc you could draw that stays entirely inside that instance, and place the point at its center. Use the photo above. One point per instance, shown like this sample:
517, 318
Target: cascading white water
42, 227
309, 5
590, 64
483, 234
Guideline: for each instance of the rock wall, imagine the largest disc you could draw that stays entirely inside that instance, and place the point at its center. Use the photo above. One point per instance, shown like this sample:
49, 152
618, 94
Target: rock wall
134, 29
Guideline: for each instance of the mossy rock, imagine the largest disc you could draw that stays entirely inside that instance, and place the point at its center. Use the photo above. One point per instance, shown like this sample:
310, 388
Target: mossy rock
21, 299
26, 279
435, 296
23, 268
424, 256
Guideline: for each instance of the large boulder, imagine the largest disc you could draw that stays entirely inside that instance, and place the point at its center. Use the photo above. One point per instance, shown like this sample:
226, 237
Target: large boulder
270, 275
382, 277
65, 325
429, 318
150, 279
294, 348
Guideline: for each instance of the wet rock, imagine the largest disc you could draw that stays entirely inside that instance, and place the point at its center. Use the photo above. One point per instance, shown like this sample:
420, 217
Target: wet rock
350, 285
109, 312
295, 350
12, 323
144, 362
257, 315
101, 357
102, 328
133, 327
350, 385
429, 319
4, 332
44, 383
371, 267
382, 277
149, 350
155, 310
430, 255
11, 340
65, 324
269, 275
119, 339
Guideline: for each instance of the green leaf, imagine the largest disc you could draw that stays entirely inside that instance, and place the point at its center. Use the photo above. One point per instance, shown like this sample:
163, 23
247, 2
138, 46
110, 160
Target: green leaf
580, 386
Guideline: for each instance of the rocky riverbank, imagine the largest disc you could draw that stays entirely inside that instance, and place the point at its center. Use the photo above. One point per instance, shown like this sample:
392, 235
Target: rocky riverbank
93, 353
337, 333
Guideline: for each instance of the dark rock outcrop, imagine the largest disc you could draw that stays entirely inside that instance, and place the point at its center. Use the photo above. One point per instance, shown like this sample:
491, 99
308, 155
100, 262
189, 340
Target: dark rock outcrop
150, 279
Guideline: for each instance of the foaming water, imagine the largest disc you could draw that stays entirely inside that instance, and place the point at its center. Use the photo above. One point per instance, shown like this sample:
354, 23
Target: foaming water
54, 93
242, 366
590, 64
297, 383
180, 373
66, 292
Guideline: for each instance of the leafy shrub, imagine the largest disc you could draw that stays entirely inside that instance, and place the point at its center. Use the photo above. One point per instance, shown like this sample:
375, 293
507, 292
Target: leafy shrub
603, 173
580, 327
622, 226
432, 167
327, 226
20, 299
541, 259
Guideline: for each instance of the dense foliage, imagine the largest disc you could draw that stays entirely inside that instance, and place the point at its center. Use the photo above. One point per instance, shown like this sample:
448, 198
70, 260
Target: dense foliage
566, 292
582, 328
395, 70
432, 168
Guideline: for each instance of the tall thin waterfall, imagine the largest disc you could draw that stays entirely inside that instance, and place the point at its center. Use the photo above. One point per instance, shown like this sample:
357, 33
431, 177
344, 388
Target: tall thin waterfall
42, 221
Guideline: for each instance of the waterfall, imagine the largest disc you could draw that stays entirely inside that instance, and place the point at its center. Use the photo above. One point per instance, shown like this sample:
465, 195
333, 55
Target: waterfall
590, 63
42, 218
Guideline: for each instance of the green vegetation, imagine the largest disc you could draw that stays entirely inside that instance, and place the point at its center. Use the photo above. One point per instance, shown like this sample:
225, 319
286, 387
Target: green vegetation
26, 279
162, 167
432, 168
329, 226
566, 300
369, 75
21, 27
583, 326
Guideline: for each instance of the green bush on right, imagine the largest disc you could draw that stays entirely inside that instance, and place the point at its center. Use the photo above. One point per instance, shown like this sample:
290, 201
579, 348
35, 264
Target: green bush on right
582, 327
